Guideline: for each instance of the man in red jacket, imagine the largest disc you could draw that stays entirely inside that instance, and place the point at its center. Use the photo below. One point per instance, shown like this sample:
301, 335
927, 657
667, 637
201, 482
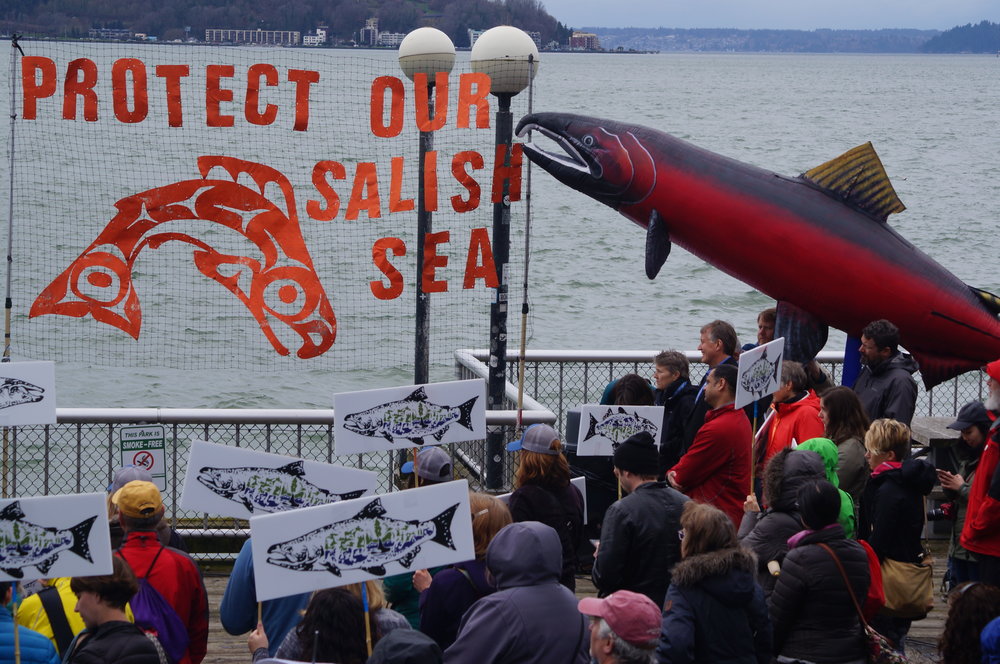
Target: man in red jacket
172, 572
981, 533
794, 415
716, 469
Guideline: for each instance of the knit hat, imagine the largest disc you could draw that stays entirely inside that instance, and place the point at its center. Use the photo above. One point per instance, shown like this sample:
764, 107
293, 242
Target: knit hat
631, 616
536, 438
993, 370
138, 499
433, 464
638, 455
971, 413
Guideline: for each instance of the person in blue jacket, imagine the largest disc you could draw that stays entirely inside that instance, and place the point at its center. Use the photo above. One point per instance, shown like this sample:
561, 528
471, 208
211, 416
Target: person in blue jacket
34, 648
238, 609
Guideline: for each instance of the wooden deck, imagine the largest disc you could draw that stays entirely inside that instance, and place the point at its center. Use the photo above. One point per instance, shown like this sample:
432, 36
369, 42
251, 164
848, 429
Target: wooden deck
922, 641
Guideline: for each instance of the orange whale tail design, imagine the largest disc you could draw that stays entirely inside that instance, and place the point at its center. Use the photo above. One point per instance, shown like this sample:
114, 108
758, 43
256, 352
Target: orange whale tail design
280, 285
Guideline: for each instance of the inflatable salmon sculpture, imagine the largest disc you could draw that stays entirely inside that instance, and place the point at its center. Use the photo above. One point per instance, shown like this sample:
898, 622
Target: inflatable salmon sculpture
818, 243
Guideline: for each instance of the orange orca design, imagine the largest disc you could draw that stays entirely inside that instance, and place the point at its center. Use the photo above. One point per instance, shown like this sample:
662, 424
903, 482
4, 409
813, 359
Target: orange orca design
280, 285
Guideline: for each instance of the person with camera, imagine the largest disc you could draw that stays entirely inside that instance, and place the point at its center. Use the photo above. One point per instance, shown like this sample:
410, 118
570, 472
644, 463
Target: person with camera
973, 422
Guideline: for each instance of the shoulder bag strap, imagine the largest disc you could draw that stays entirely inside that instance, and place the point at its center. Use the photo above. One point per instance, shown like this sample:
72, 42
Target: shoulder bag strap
847, 583
61, 631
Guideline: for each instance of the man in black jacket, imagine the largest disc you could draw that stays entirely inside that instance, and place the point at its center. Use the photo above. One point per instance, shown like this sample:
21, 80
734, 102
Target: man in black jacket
109, 636
639, 540
885, 385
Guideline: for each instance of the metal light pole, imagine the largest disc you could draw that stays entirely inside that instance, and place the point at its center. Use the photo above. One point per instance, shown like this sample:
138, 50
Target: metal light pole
510, 58
424, 51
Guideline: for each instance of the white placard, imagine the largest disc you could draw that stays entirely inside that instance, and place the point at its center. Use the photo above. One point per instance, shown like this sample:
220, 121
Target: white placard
235, 481
408, 416
50, 536
759, 372
579, 482
366, 538
604, 428
27, 393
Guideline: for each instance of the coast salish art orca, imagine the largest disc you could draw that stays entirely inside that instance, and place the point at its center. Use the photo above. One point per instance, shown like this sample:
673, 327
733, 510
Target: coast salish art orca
818, 243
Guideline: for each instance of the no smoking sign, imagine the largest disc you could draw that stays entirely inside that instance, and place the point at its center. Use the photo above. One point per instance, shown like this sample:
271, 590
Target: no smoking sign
143, 447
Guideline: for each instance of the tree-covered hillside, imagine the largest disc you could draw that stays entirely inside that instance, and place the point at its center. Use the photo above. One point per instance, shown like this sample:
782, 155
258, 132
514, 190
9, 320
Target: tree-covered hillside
984, 37
167, 19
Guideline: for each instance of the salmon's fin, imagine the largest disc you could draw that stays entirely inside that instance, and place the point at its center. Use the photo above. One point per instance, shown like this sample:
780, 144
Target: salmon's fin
858, 177
987, 299
805, 334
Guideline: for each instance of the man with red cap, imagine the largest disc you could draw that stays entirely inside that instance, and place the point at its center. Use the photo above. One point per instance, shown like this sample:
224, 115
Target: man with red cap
981, 533
624, 627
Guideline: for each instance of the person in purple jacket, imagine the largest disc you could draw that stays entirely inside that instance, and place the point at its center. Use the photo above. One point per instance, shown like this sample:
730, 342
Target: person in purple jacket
446, 598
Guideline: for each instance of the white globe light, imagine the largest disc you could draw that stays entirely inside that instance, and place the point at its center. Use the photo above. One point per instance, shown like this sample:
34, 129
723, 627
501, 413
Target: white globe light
502, 53
427, 51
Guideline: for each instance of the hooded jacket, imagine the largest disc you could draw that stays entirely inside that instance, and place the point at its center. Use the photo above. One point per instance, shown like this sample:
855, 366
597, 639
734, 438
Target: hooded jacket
981, 532
405, 646
792, 420
532, 618
888, 389
558, 507
892, 509
766, 533
811, 609
639, 543
827, 451
715, 612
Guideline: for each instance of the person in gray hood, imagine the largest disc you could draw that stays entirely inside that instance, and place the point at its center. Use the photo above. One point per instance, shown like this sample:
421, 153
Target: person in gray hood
532, 618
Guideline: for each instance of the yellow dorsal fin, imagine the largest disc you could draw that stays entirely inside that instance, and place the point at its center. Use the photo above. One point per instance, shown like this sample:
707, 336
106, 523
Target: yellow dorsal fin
989, 300
857, 176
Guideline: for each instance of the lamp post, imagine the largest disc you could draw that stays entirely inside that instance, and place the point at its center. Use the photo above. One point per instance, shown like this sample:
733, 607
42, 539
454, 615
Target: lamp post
424, 51
510, 58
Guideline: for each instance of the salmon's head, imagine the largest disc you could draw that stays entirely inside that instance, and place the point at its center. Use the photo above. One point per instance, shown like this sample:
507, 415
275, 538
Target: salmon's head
14, 392
295, 554
366, 423
222, 481
601, 158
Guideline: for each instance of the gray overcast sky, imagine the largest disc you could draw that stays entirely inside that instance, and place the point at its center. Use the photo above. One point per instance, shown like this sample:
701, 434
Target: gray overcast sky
790, 14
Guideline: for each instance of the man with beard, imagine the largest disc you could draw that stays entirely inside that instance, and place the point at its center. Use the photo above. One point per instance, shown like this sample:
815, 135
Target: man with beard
885, 385
981, 533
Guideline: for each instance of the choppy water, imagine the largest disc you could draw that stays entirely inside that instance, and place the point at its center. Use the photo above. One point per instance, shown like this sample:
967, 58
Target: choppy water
932, 120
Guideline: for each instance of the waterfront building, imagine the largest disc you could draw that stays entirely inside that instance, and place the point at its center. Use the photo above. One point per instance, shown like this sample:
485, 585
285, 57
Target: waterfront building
258, 36
584, 41
316, 38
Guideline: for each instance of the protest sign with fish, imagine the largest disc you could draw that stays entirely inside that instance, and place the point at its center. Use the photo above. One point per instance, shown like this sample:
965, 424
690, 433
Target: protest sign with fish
27, 393
604, 428
355, 540
759, 372
401, 417
238, 482
53, 536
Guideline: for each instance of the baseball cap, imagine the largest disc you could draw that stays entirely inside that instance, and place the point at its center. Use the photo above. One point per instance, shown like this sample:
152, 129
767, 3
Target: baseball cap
993, 370
129, 473
971, 413
632, 616
433, 464
138, 499
536, 438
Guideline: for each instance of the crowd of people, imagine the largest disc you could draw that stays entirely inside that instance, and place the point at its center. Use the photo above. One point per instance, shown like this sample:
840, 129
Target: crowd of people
786, 531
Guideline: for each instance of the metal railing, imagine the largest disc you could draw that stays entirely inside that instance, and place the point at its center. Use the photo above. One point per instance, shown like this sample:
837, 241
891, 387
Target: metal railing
564, 379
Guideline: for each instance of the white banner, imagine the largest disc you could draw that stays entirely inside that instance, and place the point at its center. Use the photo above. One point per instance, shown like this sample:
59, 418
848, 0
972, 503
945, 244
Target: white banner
759, 372
408, 416
235, 481
352, 541
51, 536
604, 428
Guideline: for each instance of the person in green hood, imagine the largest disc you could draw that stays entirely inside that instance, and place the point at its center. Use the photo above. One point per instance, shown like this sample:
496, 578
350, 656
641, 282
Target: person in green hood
827, 450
